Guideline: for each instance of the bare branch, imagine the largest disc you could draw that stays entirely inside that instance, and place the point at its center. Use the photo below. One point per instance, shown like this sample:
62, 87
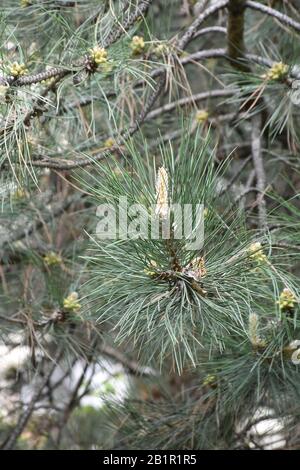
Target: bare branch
192, 30
274, 13
23, 420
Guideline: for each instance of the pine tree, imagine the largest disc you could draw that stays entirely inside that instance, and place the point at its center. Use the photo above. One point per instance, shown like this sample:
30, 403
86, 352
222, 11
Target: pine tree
149, 224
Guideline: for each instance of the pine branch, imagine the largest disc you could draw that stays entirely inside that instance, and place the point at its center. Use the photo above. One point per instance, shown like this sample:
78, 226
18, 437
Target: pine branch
125, 133
61, 72
60, 164
190, 100
209, 30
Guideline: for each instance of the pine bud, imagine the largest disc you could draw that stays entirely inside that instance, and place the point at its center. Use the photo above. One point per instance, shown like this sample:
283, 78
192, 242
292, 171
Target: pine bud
137, 45
161, 49
278, 71
162, 181
287, 300
98, 55
152, 269
19, 194
17, 70
52, 259
256, 253
201, 116
254, 337
71, 302
110, 142
210, 381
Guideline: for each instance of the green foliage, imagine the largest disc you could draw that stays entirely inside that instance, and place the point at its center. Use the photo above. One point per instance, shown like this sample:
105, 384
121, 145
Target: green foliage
101, 101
